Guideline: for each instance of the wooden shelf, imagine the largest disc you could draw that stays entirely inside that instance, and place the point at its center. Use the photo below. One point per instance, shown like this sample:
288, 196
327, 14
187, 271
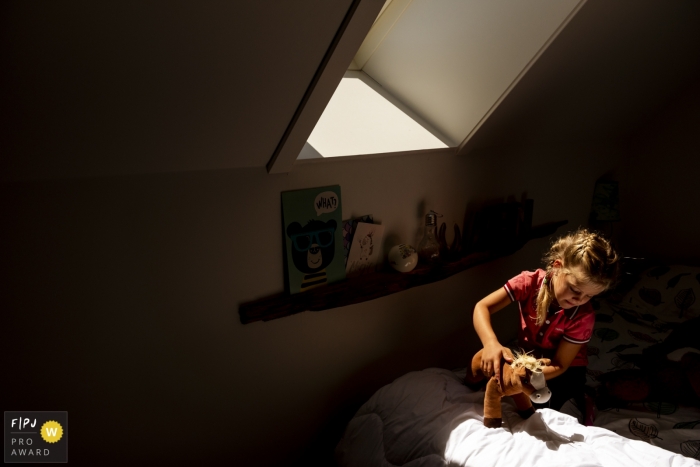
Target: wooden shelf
370, 286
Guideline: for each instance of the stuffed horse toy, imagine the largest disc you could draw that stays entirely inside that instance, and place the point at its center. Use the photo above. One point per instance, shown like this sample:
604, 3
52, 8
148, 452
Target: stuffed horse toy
520, 379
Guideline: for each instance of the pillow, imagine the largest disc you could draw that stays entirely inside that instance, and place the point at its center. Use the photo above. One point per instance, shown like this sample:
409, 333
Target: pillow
669, 293
657, 316
622, 386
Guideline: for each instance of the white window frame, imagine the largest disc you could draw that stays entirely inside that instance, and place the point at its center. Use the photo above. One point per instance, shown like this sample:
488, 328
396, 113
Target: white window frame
347, 41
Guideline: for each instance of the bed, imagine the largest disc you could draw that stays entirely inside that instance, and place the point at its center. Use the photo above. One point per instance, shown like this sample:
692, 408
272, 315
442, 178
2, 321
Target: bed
643, 371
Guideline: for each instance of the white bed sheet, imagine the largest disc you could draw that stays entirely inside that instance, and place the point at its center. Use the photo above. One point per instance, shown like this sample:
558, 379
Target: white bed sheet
429, 418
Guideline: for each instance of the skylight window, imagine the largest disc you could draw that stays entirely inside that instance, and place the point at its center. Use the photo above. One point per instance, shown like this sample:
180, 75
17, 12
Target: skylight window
361, 118
429, 74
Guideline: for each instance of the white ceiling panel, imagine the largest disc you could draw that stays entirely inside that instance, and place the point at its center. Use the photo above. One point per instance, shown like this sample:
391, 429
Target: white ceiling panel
450, 61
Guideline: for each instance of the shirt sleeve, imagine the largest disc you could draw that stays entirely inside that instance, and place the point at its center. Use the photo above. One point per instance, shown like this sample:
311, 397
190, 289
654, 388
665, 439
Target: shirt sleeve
581, 328
521, 286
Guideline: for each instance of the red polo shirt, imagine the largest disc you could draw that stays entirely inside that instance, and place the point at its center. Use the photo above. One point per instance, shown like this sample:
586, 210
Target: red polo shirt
574, 325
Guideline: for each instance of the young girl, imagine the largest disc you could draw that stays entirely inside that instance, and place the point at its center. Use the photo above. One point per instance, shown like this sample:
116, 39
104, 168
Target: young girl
556, 318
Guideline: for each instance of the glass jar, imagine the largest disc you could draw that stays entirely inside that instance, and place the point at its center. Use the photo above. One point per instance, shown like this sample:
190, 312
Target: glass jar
429, 248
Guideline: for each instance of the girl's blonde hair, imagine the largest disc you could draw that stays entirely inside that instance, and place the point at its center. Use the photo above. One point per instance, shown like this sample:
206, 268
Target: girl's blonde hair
590, 253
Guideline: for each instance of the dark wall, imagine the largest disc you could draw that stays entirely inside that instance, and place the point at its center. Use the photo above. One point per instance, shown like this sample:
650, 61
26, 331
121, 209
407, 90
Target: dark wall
659, 184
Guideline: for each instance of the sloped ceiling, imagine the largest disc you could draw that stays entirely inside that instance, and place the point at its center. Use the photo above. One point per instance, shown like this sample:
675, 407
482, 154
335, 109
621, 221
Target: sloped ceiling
134, 86
615, 65
104, 88
451, 61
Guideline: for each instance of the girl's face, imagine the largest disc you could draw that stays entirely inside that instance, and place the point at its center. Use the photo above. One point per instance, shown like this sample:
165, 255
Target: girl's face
569, 290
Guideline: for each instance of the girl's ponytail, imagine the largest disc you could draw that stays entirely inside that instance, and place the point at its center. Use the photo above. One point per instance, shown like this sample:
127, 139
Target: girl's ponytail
544, 297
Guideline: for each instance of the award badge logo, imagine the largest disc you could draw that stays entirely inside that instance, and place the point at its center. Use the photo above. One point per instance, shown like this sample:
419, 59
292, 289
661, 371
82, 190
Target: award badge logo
36, 437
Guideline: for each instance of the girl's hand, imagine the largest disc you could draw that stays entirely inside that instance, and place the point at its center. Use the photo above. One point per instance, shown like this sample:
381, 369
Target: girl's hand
491, 359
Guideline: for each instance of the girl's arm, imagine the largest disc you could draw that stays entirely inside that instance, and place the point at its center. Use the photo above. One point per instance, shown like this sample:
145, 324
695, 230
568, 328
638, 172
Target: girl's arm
493, 350
566, 351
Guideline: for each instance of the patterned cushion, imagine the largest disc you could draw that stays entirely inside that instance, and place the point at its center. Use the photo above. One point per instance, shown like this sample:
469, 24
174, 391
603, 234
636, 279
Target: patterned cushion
663, 298
670, 293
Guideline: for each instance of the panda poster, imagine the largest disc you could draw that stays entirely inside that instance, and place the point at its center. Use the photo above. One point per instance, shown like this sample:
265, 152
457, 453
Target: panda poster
312, 221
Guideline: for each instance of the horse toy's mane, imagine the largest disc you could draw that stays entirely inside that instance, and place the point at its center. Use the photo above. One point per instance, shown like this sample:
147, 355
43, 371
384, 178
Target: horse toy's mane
526, 360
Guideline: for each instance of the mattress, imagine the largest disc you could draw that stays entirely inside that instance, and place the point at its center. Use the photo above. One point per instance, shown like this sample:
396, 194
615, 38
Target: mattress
429, 418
